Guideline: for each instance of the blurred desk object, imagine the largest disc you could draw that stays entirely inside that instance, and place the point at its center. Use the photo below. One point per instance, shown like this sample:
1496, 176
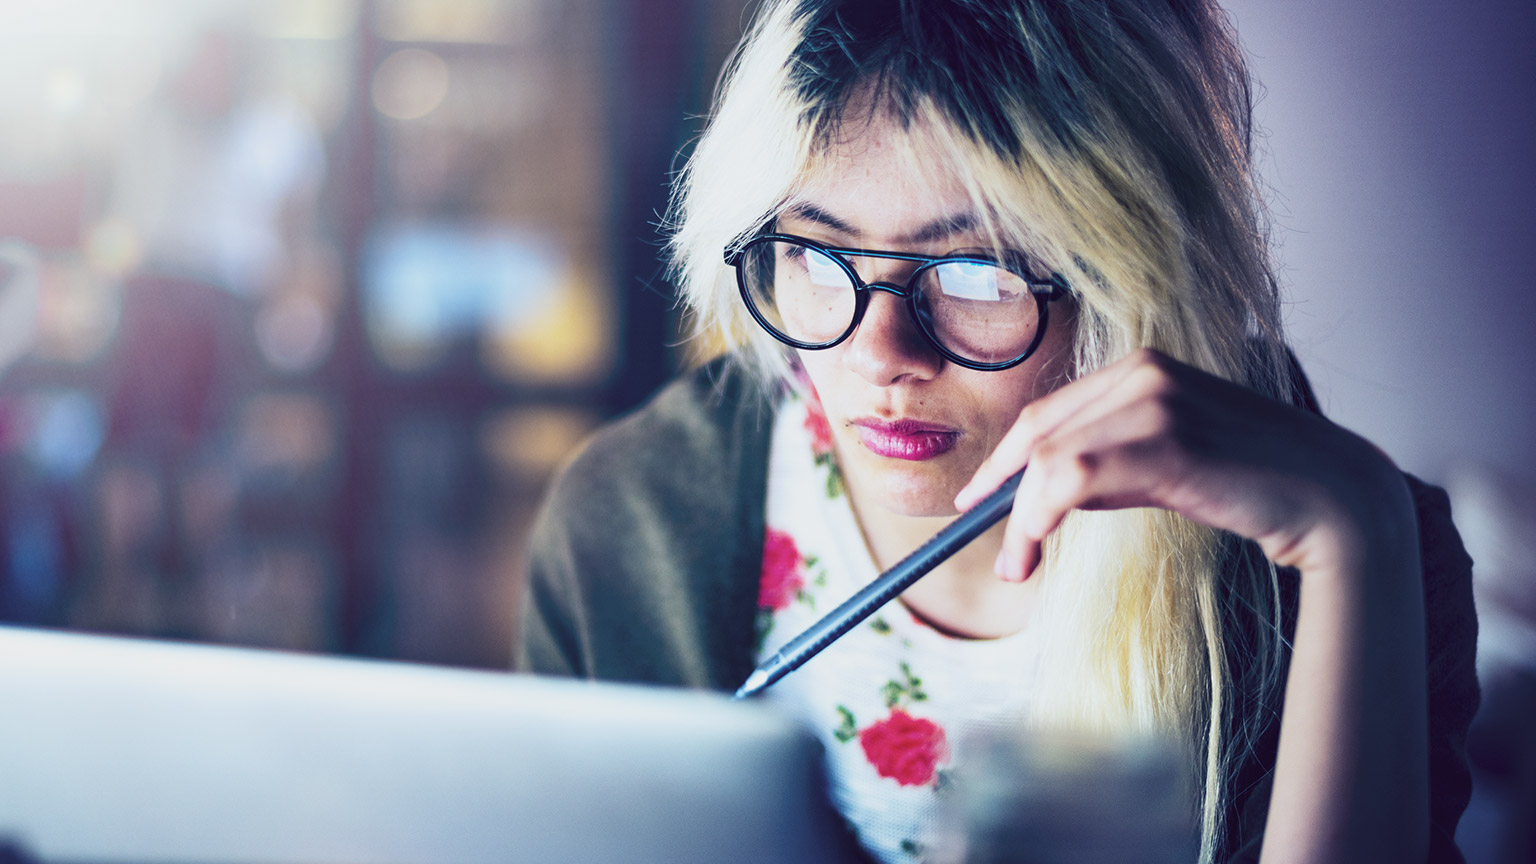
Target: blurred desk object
118, 750
1072, 799
18, 299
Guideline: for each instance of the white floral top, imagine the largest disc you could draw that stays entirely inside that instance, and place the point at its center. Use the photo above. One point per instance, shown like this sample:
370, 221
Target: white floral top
894, 700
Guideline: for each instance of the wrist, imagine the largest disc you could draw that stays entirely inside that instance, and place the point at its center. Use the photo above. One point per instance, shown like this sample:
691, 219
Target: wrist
1367, 525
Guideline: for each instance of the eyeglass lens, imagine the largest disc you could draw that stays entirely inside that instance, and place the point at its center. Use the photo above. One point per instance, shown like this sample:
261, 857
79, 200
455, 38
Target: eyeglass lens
979, 311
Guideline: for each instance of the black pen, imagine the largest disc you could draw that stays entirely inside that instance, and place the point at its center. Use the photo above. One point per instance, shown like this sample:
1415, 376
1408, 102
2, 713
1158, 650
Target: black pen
966, 527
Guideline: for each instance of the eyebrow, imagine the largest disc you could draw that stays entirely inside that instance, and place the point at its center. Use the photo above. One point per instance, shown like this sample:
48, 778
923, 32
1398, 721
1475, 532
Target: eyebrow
938, 229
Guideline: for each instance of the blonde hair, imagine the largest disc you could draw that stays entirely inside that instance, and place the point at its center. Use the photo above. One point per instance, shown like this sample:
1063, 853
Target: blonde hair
1111, 139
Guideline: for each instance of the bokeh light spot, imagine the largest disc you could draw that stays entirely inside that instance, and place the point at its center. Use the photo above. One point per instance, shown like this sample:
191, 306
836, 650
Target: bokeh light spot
410, 84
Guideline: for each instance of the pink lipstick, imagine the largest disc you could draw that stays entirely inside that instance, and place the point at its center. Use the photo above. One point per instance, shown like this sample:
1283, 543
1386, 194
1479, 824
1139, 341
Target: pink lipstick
913, 440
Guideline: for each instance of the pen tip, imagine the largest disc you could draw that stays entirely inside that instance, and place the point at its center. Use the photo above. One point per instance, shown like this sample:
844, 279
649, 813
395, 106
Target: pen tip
755, 682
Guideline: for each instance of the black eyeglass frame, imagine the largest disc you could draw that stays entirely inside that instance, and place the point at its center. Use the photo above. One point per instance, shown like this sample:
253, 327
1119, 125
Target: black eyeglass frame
1044, 290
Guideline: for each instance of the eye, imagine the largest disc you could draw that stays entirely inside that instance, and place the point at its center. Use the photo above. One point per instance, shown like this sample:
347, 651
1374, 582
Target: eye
823, 270
810, 263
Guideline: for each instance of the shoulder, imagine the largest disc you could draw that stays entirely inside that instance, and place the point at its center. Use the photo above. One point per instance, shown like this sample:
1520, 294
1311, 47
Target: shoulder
1438, 538
687, 441
640, 558
1450, 614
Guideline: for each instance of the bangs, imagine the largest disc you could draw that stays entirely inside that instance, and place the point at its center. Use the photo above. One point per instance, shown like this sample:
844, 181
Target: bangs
960, 59
1010, 102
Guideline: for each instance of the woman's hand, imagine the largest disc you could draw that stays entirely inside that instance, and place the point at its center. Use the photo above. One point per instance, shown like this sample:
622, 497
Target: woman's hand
1148, 431
1351, 775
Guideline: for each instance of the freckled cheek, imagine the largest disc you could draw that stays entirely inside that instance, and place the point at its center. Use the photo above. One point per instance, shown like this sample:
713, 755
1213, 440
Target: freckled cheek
1050, 367
821, 370
1006, 393
998, 414
816, 368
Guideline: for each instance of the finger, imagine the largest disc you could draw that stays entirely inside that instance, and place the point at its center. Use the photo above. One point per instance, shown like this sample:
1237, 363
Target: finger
1037, 420
1125, 460
1144, 377
1145, 387
1018, 569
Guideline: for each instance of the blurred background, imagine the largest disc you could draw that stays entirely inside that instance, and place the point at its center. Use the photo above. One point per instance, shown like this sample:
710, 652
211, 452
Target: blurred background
1396, 143
315, 294
302, 300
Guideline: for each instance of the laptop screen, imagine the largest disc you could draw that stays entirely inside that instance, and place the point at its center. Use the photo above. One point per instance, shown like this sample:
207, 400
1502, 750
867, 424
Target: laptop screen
130, 750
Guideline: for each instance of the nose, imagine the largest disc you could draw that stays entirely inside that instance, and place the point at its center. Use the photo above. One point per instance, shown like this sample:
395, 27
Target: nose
887, 347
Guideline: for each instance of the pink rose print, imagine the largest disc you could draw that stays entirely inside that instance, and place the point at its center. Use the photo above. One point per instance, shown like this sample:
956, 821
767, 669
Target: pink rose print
820, 431
904, 748
782, 578
815, 417
816, 424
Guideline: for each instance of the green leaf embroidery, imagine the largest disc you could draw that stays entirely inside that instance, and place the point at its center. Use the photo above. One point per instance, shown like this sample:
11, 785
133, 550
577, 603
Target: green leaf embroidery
817, 573
914, 685
848, 729
805, 597
880, 625
943, 781
818, 578
834, 482
762, 626
834, 474
912, 848
910, 688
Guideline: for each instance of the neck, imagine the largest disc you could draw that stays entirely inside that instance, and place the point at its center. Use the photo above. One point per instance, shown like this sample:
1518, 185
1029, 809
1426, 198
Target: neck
961, 597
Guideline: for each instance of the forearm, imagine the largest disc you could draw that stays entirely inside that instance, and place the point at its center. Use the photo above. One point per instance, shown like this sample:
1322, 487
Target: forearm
1351, 776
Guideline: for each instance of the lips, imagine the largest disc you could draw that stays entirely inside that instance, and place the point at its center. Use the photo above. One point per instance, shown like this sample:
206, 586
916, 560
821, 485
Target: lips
913, 440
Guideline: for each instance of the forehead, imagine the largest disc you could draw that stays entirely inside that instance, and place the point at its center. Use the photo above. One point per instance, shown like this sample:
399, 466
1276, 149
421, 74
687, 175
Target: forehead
883, 183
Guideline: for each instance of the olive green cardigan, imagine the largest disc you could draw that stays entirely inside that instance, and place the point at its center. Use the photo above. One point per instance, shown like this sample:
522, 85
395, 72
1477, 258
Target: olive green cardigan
645, 559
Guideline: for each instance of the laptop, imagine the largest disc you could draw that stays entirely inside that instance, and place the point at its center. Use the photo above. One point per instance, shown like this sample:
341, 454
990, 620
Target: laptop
127, 750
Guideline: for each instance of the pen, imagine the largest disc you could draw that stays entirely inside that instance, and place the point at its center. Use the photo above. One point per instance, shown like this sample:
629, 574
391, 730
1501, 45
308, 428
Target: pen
966, 527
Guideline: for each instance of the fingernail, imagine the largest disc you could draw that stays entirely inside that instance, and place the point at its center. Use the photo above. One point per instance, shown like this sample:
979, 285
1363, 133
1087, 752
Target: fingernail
1000, 566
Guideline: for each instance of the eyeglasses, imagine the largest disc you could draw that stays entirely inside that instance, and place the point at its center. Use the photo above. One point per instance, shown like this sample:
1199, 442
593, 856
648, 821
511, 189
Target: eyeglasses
977, 310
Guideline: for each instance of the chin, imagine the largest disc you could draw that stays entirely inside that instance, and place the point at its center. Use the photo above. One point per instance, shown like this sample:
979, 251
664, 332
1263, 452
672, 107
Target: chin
914, 489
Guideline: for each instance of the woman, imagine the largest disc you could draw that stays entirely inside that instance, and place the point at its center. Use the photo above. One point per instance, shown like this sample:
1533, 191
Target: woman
947, 240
